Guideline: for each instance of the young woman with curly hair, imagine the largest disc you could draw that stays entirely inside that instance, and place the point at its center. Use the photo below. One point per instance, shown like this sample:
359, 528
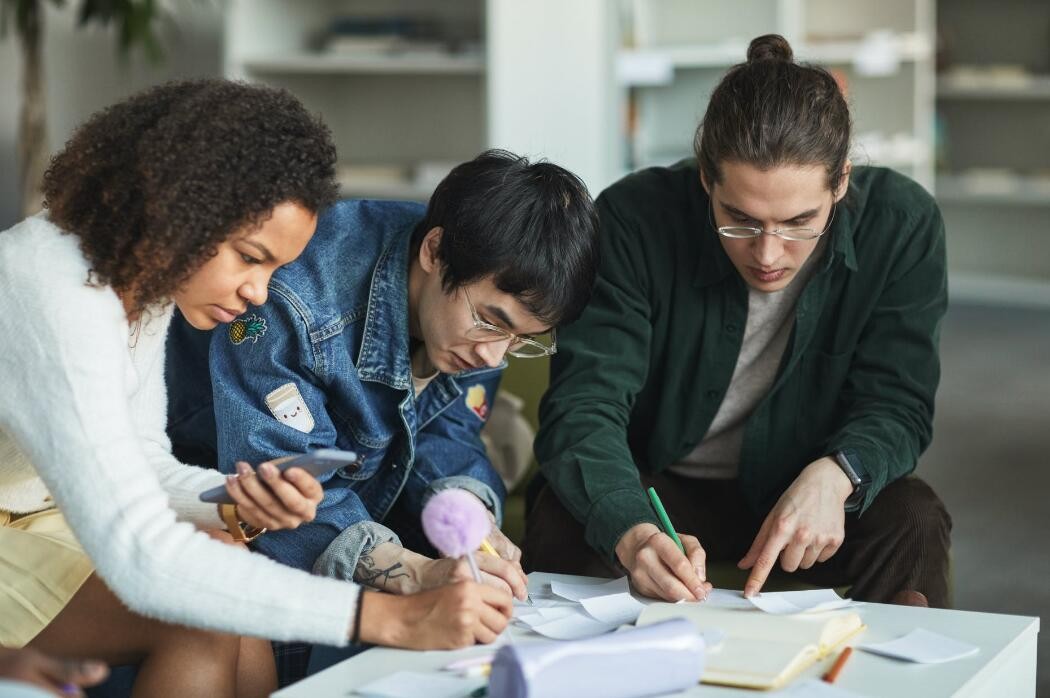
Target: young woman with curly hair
190, 195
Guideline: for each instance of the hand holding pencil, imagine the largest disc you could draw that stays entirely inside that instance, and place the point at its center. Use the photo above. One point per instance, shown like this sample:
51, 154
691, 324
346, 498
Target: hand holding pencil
664, 564
459, 526
498, 543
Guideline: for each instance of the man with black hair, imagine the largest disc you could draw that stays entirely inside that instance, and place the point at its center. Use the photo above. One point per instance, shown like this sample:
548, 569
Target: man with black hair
387, 337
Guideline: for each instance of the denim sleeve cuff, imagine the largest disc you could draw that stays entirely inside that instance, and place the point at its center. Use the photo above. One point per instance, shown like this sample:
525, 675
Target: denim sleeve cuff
477, 488
339, 560
613, 515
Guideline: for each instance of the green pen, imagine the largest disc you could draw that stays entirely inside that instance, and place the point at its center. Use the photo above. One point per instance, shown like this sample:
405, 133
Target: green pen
662, 513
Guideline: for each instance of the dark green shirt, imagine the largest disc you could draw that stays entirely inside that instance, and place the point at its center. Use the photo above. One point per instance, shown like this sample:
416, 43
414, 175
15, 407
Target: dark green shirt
639, 377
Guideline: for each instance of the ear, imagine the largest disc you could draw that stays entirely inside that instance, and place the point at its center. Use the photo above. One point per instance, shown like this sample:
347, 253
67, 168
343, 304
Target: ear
704, 183
844, 184
428, 250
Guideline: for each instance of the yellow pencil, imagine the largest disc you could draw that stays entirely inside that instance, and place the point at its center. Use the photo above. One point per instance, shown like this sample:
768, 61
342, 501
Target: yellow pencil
487, 547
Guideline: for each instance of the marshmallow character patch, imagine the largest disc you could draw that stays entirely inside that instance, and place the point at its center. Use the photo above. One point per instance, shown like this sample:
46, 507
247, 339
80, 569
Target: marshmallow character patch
287, 405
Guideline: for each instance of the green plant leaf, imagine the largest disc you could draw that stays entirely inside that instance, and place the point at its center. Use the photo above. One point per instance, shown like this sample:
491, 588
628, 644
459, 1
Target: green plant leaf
134, 20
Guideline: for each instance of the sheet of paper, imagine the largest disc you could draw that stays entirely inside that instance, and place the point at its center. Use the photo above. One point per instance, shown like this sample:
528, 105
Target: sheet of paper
539, 616
727, 598
574, 627
537, 590
613, 608
412, 684
724, 598
579, 592
541, 596
923, 647
554, 602
785, 602
814, 688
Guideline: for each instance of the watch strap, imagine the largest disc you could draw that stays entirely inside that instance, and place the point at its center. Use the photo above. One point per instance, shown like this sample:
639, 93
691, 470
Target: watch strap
856, 499
241, 532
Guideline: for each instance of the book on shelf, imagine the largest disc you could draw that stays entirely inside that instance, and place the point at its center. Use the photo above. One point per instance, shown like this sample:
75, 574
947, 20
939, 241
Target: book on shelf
385, 45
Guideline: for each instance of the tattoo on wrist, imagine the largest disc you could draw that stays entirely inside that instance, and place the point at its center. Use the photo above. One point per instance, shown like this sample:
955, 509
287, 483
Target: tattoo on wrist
371, 574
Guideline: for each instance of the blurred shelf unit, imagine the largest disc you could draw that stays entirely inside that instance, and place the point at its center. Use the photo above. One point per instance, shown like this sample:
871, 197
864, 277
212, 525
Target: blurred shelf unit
1003, 289
314, 64
904, 48
993, 148
1004, 189
409, 87
674, 52
401, 83
1029, 88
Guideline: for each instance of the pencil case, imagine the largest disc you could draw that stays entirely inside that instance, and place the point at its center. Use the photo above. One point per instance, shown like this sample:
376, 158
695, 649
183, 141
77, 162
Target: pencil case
660, 658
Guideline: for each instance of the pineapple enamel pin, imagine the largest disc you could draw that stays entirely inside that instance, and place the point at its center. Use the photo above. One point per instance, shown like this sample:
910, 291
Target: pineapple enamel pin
251, 327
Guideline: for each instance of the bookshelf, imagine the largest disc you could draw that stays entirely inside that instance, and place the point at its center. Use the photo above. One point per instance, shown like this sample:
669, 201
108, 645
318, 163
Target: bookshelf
993, 159
607, 86
951, 87
674, 52
403, 89
489, 73
312, 63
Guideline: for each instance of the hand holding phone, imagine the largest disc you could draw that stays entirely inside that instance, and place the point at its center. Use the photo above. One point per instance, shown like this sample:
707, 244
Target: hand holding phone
316, 463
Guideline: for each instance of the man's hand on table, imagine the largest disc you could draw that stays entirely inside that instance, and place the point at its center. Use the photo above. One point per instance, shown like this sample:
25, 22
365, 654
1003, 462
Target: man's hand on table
806, 526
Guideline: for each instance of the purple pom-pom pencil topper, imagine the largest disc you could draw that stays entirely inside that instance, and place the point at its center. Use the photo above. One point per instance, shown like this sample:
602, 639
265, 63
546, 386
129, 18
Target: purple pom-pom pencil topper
455, 522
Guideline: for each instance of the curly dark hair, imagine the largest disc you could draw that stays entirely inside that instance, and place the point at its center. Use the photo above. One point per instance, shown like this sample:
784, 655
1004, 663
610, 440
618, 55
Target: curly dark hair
153, 184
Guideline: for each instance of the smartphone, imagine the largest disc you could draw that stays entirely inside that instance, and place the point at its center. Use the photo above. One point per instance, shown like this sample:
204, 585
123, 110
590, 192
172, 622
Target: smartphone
316, 463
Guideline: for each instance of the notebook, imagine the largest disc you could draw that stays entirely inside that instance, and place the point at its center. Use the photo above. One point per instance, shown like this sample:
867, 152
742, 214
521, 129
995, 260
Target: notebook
761, 650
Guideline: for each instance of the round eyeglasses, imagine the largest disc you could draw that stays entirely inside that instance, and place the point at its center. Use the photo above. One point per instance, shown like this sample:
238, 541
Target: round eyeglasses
736, 232
521, 346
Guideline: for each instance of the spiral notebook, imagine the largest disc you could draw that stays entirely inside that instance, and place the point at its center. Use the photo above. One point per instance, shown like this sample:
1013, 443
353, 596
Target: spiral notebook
761, 650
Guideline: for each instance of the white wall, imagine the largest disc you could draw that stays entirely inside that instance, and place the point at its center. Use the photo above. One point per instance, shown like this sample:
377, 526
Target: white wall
83, 73
551, 88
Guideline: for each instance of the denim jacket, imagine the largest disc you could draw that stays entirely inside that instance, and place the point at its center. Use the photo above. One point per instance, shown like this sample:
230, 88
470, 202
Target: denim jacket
325, 363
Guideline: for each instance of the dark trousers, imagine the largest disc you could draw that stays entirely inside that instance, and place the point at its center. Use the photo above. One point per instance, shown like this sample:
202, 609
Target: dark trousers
901, 542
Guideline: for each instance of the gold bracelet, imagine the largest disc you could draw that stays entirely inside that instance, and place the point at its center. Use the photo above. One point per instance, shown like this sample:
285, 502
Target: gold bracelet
241, 532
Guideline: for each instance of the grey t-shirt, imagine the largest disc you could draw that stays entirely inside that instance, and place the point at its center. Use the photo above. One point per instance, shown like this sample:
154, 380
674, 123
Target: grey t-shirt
770, 317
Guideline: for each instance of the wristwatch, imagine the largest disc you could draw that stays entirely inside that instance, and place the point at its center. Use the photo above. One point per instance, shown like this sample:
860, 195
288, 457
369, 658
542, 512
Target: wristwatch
241, 532
846, 461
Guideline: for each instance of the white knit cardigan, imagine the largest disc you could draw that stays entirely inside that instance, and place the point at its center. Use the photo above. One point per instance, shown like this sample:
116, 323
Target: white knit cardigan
82, 417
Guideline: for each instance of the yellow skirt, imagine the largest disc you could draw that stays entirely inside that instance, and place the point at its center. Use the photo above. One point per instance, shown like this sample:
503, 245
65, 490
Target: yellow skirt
41, 566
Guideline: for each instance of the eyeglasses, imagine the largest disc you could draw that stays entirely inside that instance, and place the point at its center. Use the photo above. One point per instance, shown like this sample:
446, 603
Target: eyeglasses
521, 346
793, 234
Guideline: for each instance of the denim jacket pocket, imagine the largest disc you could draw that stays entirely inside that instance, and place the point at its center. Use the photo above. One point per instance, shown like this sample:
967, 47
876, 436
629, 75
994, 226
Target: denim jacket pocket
368, 462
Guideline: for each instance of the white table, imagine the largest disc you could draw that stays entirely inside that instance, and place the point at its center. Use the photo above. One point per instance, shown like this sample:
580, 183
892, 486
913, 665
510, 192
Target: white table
1005, 666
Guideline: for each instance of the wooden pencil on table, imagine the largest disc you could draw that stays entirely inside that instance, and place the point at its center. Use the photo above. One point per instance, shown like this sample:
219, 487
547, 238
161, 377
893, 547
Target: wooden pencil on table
836, 668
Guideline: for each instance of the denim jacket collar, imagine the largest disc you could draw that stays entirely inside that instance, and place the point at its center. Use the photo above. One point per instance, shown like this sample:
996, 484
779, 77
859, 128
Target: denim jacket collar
384, 353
